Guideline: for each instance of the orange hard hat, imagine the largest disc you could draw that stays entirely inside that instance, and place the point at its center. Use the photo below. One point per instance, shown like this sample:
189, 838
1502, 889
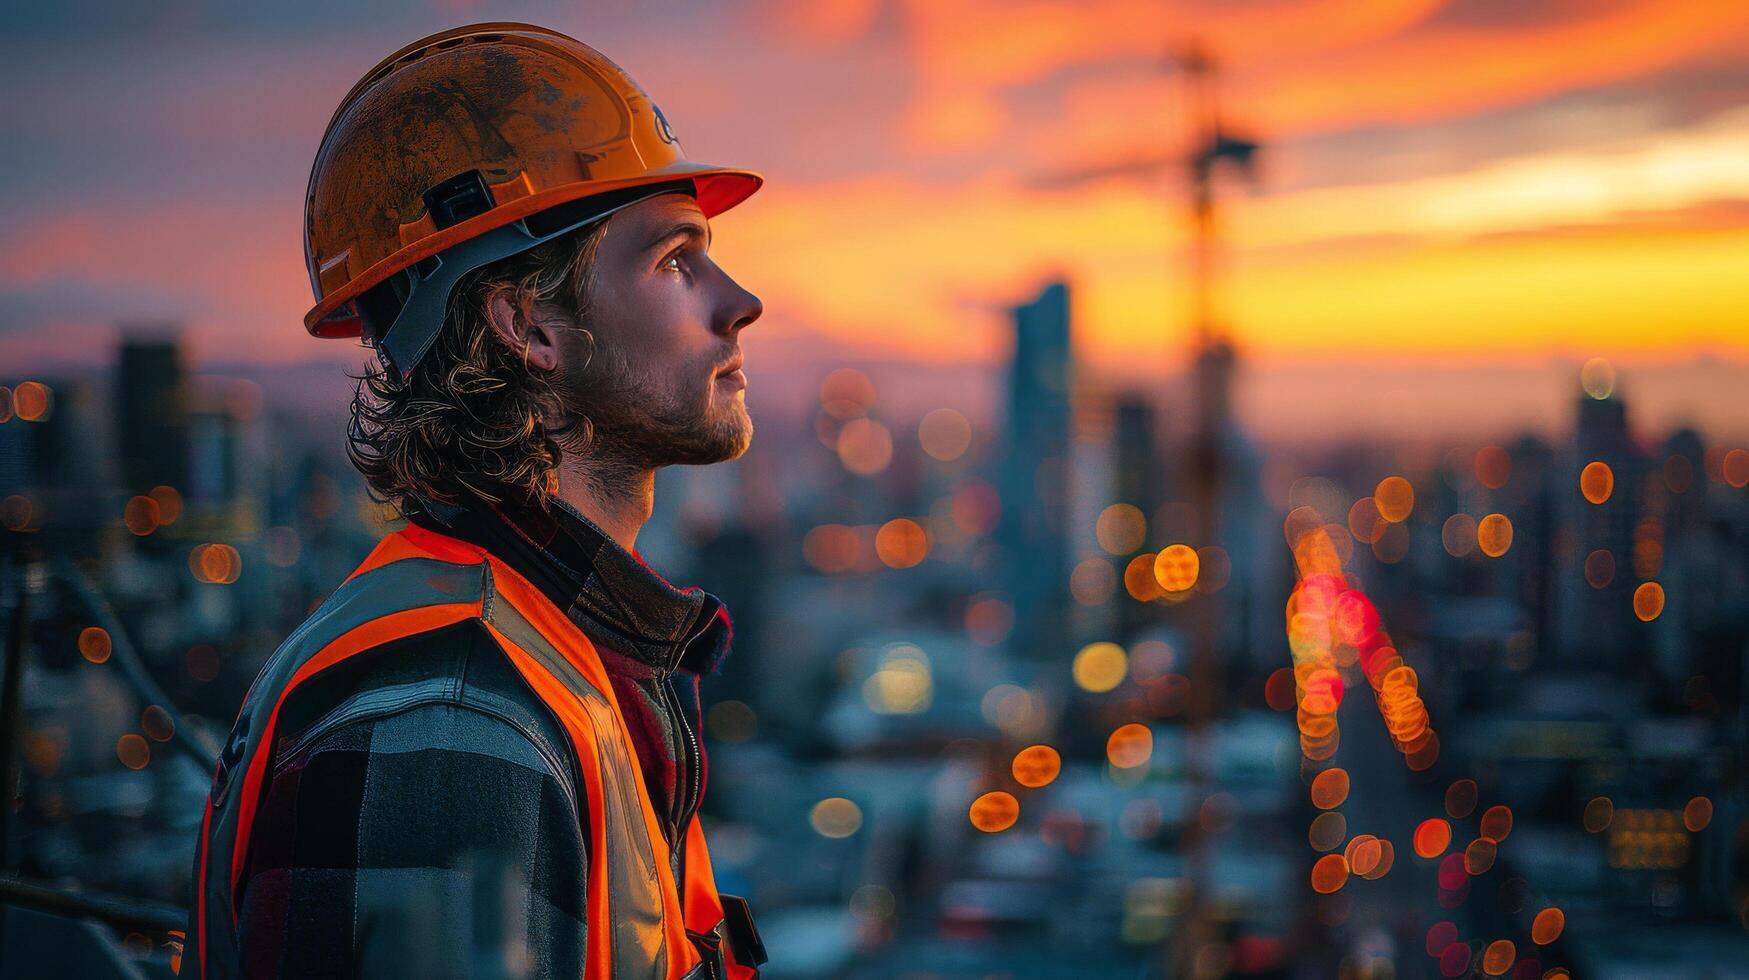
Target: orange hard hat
468, 147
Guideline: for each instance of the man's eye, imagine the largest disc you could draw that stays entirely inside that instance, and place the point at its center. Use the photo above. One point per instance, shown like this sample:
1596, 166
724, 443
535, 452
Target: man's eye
672, 262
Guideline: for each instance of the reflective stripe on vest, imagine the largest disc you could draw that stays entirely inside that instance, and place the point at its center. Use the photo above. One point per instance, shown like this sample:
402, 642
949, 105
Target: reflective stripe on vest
416, 581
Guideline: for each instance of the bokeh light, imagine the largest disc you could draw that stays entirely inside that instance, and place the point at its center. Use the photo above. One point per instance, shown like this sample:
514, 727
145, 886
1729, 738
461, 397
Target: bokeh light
944, 434
1498, 957
1494, 535
1093, 581
1330, 788
140, 516
1597, 481
865, 447
1329, 874
157, 723
94, 644
1395, 498
1599, 812
835, 817
31, 401
1432, 837
1599, 569
1493, 467
1497, 823
1327, 831
1458, 534
847, 394
1597, 377
1460, 799
901, 543
215, 564
1479, 856
1099, 667
169, 503
994, 812
1648, 601
1547, 926
1176, 567
1121, 528
133, 751
1697, 814
1735, 468
1130, 746
1036, 766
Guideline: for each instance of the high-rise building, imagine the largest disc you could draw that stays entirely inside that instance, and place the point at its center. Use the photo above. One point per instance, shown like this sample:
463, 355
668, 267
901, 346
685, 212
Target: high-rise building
1033, 475
151, 404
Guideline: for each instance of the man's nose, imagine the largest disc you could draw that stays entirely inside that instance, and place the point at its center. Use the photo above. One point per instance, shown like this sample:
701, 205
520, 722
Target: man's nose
738, 307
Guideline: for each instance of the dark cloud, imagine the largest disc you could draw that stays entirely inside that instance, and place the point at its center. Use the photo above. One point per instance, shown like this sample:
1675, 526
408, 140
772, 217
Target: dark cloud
1517, 15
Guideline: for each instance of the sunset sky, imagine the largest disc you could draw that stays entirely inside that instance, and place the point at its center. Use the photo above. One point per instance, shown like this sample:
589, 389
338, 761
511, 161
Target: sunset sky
1458, 191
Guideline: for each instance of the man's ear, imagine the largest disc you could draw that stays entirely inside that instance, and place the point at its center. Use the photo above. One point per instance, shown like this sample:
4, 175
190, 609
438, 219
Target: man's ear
531, 337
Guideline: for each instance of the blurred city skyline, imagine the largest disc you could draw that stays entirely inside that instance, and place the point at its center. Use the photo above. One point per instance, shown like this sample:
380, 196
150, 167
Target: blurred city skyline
1457, 202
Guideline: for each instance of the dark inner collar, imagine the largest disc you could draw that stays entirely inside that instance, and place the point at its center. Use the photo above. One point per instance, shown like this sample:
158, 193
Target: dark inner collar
609, 592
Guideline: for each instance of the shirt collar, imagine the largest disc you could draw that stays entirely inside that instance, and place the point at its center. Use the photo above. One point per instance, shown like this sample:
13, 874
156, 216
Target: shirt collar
609, 592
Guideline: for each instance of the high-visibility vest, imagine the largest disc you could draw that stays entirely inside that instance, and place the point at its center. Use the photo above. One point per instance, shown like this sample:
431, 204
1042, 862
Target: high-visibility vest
416, 580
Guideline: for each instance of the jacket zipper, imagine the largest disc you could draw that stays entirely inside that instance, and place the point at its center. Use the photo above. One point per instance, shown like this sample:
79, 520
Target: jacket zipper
687, 795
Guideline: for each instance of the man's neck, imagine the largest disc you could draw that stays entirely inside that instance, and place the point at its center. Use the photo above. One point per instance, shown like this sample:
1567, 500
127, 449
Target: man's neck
616, 499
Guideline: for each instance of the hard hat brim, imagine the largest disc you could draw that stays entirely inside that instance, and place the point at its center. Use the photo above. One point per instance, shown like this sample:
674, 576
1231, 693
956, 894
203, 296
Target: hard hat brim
718, 190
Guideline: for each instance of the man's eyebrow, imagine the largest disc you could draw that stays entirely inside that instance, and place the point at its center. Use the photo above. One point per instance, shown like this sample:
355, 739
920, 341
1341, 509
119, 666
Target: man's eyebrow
687, 227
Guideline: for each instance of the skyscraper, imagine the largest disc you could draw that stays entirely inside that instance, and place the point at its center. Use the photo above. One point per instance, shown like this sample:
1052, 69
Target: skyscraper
1033, 474
151, 403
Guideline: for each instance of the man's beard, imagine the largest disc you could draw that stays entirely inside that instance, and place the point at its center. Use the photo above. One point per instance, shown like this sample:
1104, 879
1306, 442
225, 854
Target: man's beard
630, 428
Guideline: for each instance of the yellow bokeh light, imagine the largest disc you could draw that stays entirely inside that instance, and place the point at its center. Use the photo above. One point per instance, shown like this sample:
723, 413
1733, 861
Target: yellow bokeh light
1099, 667
1597, 481
1597, 377
1176, 567
902, 684
1395, 499
1121, 528
1494, 535
945, 434
835, 816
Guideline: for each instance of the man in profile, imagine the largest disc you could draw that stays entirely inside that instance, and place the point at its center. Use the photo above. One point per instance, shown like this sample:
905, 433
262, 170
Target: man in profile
480, 756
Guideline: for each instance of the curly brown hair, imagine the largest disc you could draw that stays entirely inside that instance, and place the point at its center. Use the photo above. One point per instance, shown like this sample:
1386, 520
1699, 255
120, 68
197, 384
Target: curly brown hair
474, 419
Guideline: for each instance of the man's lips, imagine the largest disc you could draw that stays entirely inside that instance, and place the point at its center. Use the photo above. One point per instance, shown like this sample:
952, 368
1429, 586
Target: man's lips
732, 374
